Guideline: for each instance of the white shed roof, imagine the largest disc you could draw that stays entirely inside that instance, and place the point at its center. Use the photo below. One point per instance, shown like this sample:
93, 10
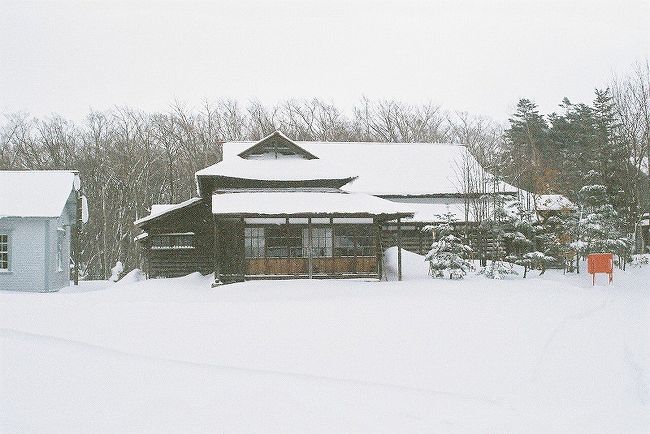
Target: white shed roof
35, 193
400, 169
300, 203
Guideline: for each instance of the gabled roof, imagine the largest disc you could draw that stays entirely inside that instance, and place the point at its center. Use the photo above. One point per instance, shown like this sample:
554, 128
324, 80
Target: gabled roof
276, 145
36, 193
276, 160
383, 169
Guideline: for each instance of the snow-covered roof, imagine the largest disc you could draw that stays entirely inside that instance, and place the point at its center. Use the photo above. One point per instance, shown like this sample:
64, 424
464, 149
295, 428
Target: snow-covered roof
552, 202
433, 212
35, 193
400, 169
292, 169
158, 210
302, 203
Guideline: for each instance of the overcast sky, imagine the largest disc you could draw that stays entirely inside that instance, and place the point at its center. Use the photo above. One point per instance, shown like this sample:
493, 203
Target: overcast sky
479, 56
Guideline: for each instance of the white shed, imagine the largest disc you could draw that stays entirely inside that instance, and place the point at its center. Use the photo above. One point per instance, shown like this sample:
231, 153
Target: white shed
38, 211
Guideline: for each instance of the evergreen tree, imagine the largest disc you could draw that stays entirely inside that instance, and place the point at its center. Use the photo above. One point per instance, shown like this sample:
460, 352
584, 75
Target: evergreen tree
519, 237
553, 238
600, 227
448, 255
500, 229
525, 146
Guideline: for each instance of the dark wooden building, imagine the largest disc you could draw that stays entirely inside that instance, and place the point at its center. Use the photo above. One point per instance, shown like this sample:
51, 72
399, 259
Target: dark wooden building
275, 211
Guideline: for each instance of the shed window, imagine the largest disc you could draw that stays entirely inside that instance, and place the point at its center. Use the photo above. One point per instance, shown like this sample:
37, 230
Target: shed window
4, 252
59, 249
172, 241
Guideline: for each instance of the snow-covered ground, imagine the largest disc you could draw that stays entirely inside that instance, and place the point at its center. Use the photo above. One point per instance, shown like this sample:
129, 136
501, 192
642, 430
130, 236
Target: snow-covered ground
542, 354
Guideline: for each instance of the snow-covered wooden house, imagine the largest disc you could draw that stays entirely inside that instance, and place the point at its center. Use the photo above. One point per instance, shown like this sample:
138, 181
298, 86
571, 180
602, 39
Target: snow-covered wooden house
284, 209
38, 212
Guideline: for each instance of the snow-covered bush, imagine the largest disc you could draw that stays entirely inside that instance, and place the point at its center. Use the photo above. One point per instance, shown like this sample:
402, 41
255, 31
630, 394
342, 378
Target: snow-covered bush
640, 260
448, 255
116, 271
498, 270
531, 261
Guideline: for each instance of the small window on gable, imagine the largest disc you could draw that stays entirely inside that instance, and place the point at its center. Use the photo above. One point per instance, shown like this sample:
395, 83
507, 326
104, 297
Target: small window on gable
4, 252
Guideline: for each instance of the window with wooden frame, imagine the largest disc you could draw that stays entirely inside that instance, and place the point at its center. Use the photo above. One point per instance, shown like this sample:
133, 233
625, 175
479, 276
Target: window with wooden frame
173, 241
365, 241
254, 242
321, 242
344, 241
283, 242
4, 252
294, 242
354, 241
276, 242
60, 237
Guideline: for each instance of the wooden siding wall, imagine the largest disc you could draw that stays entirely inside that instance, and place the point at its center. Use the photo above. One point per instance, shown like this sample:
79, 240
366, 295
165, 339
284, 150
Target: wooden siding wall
416, 241
180, 262
413, 239
334, 266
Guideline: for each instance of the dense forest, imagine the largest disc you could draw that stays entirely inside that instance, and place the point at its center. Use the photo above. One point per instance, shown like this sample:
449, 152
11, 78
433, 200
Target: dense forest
129, 159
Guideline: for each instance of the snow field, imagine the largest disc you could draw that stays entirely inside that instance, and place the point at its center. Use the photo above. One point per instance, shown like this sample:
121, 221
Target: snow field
549, 354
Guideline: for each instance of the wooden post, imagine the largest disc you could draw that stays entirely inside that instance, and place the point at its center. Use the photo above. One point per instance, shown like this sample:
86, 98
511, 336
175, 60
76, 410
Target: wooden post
378, 250
242, 239
217, 254
310, 249
399, 249
355, 246
76, 239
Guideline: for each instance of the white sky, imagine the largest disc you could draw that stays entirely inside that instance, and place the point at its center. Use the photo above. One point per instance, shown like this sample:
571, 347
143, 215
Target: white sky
67, 56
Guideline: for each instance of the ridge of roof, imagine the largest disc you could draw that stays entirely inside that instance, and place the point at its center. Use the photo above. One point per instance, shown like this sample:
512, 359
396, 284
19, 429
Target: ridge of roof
323, 142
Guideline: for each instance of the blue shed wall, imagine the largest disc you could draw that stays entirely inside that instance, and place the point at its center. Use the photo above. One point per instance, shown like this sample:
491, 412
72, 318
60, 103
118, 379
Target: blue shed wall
33, 252
26, 254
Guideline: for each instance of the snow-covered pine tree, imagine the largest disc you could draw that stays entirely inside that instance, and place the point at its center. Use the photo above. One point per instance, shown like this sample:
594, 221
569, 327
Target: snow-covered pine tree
600, 226
553, 238
497, 269
497, 228
519, 237
448, 255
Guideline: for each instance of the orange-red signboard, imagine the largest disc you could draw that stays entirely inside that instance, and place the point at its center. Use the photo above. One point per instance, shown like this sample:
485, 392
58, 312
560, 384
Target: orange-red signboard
600, 263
